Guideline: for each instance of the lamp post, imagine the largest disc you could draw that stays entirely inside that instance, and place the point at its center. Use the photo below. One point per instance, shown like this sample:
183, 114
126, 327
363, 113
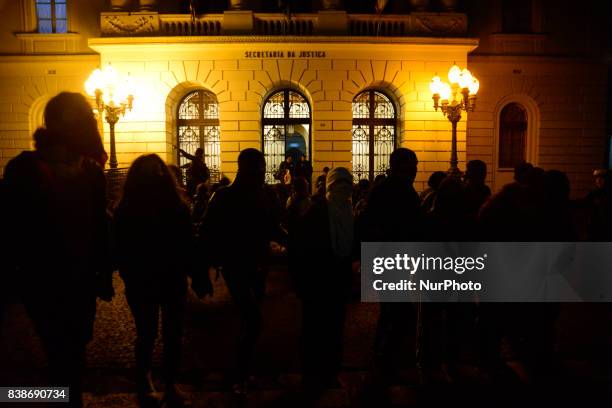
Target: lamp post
113, 98
452, 99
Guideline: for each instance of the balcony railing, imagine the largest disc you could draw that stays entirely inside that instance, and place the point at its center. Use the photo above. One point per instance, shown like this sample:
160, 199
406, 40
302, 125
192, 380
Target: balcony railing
183, 24
124, 24
281, 24
385, 26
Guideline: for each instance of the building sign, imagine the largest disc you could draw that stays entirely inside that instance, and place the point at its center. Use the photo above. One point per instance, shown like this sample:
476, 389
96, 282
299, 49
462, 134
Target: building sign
284, 54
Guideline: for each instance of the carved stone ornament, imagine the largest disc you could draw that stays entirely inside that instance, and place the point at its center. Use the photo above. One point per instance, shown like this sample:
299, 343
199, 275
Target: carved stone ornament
439, 25
129, 25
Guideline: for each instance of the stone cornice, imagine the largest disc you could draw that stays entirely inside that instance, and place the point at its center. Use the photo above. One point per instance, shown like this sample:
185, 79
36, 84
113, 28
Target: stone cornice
133, 24
241, 39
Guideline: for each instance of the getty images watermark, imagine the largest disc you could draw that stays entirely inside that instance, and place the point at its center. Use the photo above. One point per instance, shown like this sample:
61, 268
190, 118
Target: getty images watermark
486, 272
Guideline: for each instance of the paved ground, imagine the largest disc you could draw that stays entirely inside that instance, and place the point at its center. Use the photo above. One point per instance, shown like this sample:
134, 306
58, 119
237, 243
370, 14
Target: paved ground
584, 333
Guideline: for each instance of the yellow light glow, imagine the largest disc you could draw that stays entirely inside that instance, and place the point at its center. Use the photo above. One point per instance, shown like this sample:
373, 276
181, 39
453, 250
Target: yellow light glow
445, 91
474, 87
93, 82
465, 79
115, 89
435, 85
454, 74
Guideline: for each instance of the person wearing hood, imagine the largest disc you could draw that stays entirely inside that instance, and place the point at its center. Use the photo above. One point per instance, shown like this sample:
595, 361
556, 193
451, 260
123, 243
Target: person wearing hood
58, 231
324, 280
235, 234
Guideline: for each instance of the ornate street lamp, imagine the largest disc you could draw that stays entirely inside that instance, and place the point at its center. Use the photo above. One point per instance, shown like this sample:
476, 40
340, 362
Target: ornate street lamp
113, 97
452, 99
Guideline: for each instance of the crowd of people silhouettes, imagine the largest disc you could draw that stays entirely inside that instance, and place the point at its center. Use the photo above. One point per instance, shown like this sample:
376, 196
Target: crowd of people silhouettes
78, 242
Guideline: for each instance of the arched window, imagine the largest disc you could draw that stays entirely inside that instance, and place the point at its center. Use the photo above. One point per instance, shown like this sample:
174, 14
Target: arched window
51, 16
512, 135
286, 125
374, 128
198, 126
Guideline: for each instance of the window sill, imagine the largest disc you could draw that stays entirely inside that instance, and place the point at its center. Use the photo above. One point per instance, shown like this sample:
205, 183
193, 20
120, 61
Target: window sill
518, 43
48, 43
523, 36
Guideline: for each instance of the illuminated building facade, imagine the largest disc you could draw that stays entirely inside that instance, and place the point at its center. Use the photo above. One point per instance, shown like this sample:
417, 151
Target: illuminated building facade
340, 84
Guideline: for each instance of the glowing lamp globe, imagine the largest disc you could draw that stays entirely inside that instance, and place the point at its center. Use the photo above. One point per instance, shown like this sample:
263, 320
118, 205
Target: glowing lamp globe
435, 85
445, 91
474, 87
465, 79
454, 74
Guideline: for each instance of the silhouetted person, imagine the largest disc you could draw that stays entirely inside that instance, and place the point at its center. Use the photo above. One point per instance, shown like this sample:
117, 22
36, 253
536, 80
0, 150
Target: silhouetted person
448, 219
303, 168
237, 229
320, 184
55, 219
445, 323
180, 184
200, 203
476, 191
379, 179
360, 196
7, 271
178, 176
429, 195
224, 181
299, 201
521, 172
556, 213
599, 207
327, 248
153, 234
393, 214
526, 174
197, 171
361, 190
285, 171
297, 205
511, 215
556, 225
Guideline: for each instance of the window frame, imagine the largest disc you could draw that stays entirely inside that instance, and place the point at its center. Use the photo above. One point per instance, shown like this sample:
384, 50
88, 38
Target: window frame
53, 19
371, 122
201, 123
285, 121
531, 105
501, 144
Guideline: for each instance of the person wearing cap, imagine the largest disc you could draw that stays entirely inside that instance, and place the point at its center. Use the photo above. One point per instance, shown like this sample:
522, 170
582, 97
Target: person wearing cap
58, 233
326, 247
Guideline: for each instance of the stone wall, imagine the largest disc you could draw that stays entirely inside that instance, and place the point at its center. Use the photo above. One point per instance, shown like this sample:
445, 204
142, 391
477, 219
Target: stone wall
167, 72
565, 98
566, 104
26, 84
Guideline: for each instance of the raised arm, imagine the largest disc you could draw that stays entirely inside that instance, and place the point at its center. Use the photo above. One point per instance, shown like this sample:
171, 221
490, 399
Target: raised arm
184, 153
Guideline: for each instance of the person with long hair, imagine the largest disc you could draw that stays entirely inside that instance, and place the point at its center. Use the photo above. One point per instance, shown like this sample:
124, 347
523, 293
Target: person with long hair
153, 234
57, 229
